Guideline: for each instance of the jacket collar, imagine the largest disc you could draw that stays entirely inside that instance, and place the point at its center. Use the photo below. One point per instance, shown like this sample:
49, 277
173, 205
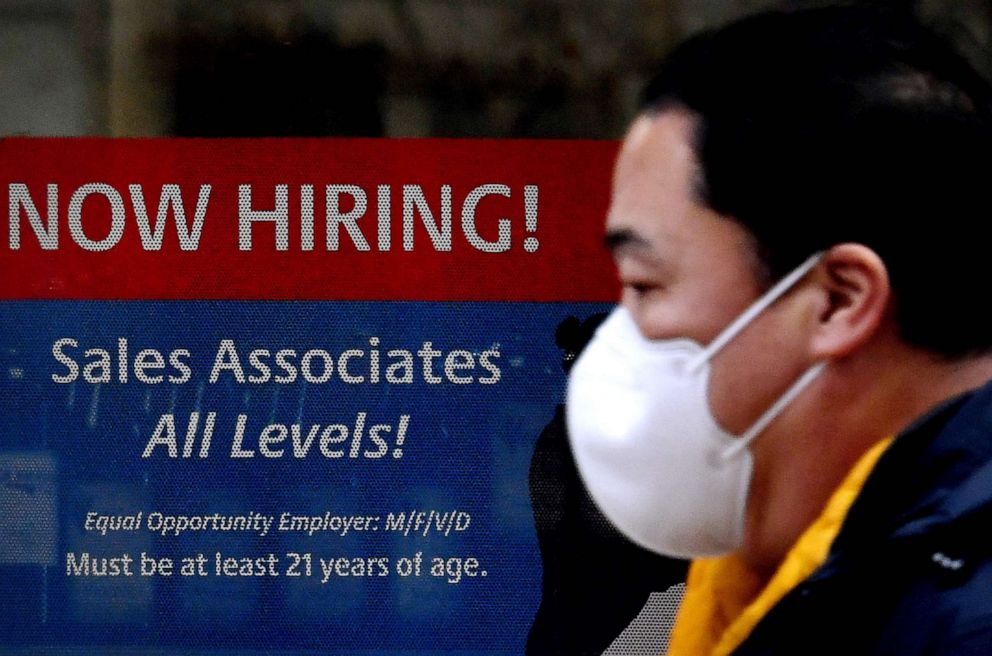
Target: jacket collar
934, 479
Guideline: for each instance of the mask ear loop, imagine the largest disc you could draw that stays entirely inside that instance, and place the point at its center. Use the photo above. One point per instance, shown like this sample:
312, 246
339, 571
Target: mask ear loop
759, 306
735, 327
744, 440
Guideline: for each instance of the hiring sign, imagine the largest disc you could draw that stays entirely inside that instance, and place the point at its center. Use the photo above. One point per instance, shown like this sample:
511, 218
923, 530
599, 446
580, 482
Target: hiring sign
288, 394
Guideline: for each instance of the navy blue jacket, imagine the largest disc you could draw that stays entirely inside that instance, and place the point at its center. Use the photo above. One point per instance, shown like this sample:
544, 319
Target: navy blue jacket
910, 572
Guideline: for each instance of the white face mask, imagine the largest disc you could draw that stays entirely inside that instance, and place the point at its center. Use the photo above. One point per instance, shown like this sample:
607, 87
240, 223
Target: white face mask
649, 450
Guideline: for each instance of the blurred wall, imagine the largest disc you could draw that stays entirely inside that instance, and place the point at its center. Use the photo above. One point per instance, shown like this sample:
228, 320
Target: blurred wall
494, 68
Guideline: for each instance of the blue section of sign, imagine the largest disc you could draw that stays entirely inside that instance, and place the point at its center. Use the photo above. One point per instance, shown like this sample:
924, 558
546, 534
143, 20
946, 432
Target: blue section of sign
410, 442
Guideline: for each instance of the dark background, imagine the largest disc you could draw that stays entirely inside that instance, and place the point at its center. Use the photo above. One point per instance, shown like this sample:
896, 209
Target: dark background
468, 68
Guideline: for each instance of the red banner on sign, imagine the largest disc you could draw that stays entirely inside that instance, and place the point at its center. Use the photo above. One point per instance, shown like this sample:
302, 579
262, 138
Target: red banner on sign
305, 219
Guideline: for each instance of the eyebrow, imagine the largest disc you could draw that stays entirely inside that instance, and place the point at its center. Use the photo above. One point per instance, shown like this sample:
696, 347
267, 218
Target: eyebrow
619, 238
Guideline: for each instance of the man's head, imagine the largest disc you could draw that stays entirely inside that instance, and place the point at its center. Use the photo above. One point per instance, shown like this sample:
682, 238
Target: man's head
854, 132
838, 125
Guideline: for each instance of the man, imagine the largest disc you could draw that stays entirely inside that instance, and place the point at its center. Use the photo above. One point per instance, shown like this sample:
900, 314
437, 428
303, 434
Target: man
845, 154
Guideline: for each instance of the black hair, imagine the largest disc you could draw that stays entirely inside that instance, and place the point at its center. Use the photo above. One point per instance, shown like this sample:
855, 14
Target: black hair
850, 124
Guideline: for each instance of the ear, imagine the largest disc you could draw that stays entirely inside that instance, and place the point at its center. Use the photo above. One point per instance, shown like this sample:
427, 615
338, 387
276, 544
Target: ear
855, 298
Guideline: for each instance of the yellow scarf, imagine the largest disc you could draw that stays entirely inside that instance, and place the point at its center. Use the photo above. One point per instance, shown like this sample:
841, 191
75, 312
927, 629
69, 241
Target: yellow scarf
724, 600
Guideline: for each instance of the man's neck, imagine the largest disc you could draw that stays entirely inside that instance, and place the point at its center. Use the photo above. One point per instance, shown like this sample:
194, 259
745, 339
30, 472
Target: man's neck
861, 402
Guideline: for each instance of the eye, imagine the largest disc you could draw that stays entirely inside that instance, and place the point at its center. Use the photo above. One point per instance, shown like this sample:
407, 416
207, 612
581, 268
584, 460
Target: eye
640, 289
639, 280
